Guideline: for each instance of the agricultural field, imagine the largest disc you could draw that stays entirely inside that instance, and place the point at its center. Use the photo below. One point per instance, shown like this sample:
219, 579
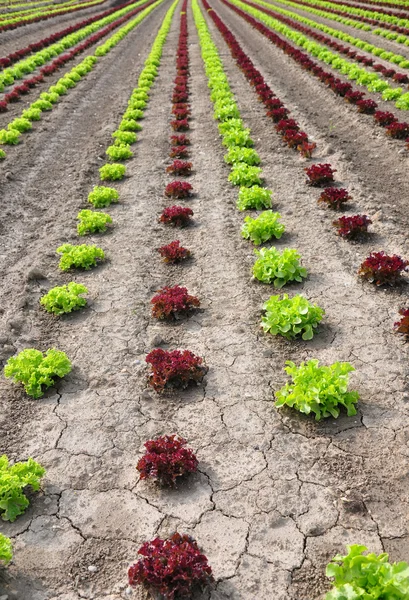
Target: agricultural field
204, 308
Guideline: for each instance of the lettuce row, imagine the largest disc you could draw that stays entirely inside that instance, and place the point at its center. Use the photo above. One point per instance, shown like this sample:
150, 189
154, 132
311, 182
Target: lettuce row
235, 136
372, 81
350, 22
33, 8
371, 14
125, 135
370, 48
48, 99
48, 13
323, 13
30, 64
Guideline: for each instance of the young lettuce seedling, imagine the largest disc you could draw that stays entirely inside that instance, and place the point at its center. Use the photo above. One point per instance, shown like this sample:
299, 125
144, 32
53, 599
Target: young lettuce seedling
166, 459
15, 479
102, 196
35, 369
356, 575
6, 550
64, 299
82, 256
92, 222
263, 228
291, 317
278, 268
171, 568
320, 390
254, 198
174, 369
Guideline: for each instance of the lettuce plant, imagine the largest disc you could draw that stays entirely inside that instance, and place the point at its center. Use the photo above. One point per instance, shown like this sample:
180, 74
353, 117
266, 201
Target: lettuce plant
35, 369
14, 479
352, 227
92, 222
22, 125
237, 154
178, 189
82, 256
180, 167
138, 104
320, 390
273, 266
381, 269
245, 175
320, 174
6, 550
263, 228
129, 123
237, 137
402, 326
334, 197
166, 459
291, 317
173, 253
58, 89
177, 216
171, 568
354, 97
180, 125
119, 152
31, 114
171, 302
367, 576
384, 118
179, 152
367, 107
174, 369
102, 196
285, 125
278, 114
180, 113
255, 198
124, 137
10, 137
231, 125
64, 299
399, 131
295, 138
306, 149
179, 140
112, 172
42, 105
2, 154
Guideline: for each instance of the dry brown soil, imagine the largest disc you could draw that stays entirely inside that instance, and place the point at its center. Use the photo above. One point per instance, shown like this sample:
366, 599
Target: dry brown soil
277, 495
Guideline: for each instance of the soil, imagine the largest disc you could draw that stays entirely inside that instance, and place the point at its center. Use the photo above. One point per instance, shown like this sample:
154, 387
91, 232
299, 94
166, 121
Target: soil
277, 495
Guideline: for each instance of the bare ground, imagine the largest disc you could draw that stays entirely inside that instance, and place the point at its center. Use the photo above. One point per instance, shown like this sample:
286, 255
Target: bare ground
277, 495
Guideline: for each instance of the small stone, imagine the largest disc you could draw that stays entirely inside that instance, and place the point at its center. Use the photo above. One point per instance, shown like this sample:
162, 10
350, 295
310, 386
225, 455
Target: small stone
378, 216
92, 569
157, 340
35, 273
